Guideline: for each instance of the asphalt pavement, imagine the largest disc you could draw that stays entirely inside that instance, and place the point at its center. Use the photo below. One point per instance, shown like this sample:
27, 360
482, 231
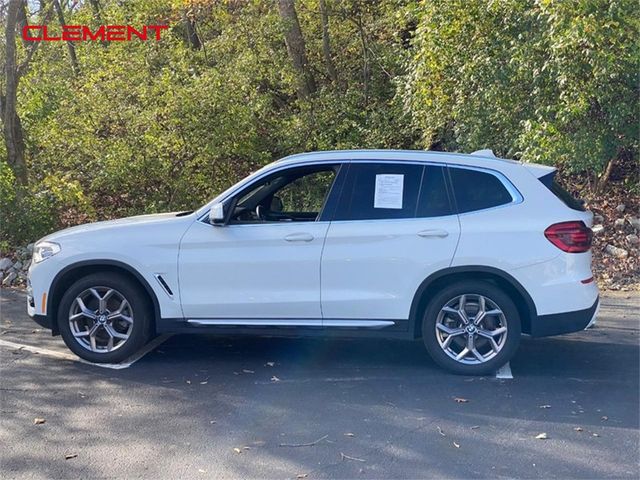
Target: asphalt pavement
215, 407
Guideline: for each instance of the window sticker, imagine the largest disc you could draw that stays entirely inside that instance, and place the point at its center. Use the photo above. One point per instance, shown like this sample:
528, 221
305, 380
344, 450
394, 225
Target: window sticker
388, 192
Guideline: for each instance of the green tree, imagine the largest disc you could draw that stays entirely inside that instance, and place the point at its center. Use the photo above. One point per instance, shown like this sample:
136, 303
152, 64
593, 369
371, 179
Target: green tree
552, 82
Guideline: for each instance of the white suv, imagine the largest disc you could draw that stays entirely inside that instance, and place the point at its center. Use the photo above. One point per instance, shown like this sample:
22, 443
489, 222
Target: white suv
464, 251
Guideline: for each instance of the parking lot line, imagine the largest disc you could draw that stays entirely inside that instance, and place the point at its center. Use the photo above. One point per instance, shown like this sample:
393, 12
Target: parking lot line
70, 356
504, 372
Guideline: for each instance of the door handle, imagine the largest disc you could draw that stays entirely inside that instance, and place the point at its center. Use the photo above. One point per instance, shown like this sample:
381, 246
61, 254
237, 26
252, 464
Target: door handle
299, 237
436, 233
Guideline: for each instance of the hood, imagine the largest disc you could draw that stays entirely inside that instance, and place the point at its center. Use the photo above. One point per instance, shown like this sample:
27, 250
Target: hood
116, 225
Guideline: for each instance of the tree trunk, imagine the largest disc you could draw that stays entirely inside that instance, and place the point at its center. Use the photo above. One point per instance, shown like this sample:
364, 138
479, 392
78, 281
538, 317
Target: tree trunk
95, 6
97, 14
13, 137
365, 61
70, 47
190, 32
326, 44
604, 178
296, 48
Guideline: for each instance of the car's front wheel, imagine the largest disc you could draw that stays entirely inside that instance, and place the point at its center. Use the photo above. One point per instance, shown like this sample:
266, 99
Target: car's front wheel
104, 317
471, 328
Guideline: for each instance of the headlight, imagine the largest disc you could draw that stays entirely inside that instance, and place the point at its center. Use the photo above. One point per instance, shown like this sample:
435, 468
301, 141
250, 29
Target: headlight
44, 250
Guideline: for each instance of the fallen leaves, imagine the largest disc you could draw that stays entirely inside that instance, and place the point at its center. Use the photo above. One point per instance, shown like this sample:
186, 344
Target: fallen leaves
69, 456
349, 434
604, 418
544, 406
245, 370
237, 450
460, 400
271, 364
38, 421
542, 436
275, 379
302, 475
440, 431
457, 445
578, 429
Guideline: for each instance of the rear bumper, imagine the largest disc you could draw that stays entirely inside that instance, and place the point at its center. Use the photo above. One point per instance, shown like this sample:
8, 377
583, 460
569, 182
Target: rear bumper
567, 322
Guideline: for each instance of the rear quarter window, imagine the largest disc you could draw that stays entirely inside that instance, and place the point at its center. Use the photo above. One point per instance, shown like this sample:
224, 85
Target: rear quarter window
475, 190
563, 195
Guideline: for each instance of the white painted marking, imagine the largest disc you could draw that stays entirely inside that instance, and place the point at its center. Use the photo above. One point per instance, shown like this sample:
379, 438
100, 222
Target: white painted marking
504, 372
71, 357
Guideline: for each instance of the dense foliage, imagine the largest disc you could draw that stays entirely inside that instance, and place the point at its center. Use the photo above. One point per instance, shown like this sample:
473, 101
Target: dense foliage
138, 127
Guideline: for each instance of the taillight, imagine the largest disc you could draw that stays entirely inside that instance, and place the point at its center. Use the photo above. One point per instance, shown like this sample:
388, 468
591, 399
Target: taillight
572, 237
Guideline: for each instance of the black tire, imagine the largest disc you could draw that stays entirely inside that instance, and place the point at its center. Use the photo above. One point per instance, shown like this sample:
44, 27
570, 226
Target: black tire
473, 288
141, 310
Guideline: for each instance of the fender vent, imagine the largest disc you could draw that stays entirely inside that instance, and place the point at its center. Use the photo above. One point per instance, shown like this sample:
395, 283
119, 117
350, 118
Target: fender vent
164, 284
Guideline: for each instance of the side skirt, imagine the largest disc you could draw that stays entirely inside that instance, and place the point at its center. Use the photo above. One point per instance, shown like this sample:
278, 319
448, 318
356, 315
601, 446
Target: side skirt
397, 329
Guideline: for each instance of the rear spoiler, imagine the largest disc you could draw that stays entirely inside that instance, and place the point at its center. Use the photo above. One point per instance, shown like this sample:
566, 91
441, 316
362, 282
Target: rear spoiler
542, 172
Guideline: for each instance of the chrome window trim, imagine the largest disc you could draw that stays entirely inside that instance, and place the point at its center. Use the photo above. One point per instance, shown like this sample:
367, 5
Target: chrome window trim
516, 196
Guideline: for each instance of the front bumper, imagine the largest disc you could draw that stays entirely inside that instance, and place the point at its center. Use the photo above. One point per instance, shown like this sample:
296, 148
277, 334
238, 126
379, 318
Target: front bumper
567, 322
44, 321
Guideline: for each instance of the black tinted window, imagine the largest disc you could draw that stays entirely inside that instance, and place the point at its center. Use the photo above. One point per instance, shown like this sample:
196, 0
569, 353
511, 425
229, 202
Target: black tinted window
475, 190
563, 195
434, 200
374, 191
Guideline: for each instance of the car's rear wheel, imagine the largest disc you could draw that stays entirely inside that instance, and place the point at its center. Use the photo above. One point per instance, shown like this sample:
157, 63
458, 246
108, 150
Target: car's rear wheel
471, 328
104, 317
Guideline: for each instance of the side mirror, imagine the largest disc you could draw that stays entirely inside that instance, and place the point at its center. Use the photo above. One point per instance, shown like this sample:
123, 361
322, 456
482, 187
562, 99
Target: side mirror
216, 214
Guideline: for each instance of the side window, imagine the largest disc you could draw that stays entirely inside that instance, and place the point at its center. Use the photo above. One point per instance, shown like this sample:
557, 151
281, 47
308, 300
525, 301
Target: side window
306, 194
434, 199
375, 191
475, 190
295, 195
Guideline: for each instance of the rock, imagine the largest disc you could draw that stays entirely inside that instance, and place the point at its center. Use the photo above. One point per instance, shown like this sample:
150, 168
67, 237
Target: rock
30, 248
632, 239
8, 280
598, 219
5, 263
619, 222
635, 222
597, 229
620, 208
616, 251
26, 265
17, 265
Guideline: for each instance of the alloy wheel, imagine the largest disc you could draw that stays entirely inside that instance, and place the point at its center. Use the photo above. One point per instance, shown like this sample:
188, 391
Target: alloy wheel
471, 329
101, 319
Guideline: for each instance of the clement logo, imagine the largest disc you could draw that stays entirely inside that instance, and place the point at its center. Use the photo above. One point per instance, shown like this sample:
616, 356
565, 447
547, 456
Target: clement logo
79, 33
